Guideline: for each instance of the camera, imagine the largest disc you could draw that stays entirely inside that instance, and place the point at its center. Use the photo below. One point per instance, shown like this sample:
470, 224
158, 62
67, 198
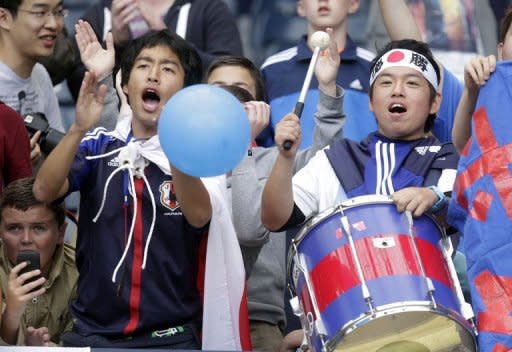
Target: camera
50, 137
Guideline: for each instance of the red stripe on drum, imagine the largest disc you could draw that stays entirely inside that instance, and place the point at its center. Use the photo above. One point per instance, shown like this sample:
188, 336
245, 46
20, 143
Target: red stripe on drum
336, 273
434, 262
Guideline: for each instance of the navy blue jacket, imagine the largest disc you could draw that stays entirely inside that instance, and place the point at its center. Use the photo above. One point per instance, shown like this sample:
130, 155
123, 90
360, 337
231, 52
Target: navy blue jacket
165, 293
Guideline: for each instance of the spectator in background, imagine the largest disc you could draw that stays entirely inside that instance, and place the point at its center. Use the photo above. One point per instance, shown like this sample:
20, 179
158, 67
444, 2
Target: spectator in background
28, 31
264, 252
14, 147
63, 60
236, 71
456, 30
285, 71
476, 73
36, 312
207, 24
481, 204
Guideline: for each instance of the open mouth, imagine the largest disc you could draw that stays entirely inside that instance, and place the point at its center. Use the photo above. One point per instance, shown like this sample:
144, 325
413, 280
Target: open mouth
151, 99
323, 10
397, 109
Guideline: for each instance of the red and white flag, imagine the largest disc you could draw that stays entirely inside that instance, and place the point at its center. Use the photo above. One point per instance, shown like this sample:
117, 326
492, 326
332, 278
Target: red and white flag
225, 318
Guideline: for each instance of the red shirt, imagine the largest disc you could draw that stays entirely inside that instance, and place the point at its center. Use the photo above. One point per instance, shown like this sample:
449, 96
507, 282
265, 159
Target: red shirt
14, 147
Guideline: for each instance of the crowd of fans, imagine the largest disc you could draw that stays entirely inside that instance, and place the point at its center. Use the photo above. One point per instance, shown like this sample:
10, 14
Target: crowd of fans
132, 273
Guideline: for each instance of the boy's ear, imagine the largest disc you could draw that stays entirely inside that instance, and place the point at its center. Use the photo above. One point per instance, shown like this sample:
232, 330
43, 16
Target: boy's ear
125, 89
353, 6
300, 9
436, 104
500, 50
5, 18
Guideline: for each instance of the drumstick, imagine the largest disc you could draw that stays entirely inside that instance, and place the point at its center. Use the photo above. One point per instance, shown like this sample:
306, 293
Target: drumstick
320, 41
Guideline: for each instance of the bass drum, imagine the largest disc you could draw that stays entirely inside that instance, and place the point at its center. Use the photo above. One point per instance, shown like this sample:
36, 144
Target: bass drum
367, 278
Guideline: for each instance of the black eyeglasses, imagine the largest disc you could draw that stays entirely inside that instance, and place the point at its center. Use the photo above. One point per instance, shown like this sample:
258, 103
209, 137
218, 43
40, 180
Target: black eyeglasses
58, 14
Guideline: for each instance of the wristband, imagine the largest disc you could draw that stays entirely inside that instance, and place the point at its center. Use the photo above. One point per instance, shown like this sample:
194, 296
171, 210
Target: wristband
441, 199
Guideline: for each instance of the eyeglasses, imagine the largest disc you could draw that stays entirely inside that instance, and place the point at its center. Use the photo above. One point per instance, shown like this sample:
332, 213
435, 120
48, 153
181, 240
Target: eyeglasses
58, 14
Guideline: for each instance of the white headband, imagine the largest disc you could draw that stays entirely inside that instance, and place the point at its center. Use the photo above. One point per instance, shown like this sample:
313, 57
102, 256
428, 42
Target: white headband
405, 58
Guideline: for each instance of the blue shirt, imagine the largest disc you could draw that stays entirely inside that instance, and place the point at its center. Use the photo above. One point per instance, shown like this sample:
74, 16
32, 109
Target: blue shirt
162, 295
284, 75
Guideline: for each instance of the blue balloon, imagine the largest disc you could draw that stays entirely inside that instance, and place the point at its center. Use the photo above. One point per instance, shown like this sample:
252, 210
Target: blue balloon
204, 130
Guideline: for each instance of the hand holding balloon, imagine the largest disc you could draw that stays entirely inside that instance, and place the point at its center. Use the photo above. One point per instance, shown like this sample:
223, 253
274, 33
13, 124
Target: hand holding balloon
204, 131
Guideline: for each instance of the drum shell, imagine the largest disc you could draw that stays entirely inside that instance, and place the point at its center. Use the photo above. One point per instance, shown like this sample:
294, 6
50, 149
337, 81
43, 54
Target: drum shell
387, 258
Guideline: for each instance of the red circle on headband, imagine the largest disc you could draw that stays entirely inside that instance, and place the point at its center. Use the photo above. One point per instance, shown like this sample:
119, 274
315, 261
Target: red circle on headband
396, 56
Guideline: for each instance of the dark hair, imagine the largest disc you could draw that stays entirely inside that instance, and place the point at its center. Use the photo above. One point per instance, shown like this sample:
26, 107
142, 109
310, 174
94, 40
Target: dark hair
241, 61
188, 56
505, 23
421, 48
242, 94
11, 5
19, 195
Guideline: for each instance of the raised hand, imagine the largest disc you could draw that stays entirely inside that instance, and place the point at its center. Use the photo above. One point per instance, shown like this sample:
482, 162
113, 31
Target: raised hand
327, 66
258, 113
477, 72
123, 11
154, 21
94, 57
125, 111
90, 102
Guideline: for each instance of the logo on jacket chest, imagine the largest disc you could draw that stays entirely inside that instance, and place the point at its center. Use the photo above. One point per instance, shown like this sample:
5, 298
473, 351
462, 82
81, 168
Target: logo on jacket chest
432, 149
167, 196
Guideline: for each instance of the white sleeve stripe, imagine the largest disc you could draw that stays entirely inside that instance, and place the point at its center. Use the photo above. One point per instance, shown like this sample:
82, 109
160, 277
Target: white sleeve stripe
446, 180
392, 162
386, 171
379, 170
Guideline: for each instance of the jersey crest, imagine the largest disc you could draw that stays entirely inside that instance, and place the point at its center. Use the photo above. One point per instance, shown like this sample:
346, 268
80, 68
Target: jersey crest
167, 196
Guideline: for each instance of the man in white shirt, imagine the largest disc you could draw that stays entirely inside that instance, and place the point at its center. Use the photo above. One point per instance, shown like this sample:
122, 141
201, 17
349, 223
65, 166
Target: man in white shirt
28, 30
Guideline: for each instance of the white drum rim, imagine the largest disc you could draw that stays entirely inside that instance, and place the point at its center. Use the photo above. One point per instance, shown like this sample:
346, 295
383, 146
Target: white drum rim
394, 308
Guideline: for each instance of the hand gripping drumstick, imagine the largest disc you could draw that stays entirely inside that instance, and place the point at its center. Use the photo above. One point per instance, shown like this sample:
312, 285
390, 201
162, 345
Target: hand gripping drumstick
320, 41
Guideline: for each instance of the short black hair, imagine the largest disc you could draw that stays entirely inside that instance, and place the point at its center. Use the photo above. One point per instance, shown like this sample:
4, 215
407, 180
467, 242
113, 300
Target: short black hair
188, 56
241, 61
242, 94
11, 5
505, 23
19, 195
421, 48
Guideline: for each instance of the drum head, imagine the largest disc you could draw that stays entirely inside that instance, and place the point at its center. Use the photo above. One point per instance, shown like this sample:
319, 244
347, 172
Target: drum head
414, 331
